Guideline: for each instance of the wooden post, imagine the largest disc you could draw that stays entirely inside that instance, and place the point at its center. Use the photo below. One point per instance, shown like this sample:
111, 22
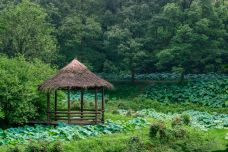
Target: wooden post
56, 104
102, 105
68, 105
82, 102
96, 105
48, 108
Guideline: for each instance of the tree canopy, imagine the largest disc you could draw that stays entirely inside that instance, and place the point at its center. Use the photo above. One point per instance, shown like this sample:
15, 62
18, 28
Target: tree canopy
119, 36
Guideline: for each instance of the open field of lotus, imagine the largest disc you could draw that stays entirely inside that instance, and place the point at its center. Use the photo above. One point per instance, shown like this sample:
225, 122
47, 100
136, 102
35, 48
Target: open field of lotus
131, 118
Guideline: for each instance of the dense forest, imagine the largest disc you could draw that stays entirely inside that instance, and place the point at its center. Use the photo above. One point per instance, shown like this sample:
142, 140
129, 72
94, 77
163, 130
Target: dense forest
115, 36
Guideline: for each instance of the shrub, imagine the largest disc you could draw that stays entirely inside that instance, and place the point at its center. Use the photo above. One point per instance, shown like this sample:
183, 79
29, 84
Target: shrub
57, 147
165, 134
134, 145
154, 128
115, 112
180, 120
37, 147
14, 149
177, 121
180, 133
122, 106
129, 112
186, 118
196, 142
19, 96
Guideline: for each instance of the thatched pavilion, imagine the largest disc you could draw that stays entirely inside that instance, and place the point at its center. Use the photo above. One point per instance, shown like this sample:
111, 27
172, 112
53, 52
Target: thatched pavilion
75, 77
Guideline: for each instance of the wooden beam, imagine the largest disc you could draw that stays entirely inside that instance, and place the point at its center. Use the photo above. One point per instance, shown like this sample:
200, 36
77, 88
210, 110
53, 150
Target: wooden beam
76, 116
55, 103
103, 106
76, 112
96, 104
68, 93
80, 110
48, 108
82, 102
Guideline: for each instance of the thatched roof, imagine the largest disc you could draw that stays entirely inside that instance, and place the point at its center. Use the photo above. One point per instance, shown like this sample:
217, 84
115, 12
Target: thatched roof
74, 75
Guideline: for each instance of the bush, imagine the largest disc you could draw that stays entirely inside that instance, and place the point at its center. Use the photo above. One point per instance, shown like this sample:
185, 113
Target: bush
122, 106
180, 120
115, 112
186, 118
165, 134
39, 146
177, 121
14, 149
179, 133
154, 129
196, 142
135, 145
129, 112
19, 96
57, 147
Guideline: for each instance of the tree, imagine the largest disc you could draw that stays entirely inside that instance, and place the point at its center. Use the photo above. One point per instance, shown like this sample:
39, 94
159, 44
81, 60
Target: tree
198, 43
132, 54
77, 30
24, 30
80, 36
88, 28
126, 38
20, 99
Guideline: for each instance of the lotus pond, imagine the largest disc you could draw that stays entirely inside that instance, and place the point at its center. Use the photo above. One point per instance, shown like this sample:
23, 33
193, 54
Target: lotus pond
64, 132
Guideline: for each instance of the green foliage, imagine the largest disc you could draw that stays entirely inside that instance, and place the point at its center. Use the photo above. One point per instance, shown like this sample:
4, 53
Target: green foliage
201, 120
2, 114
41, 146
63, 132
193, 40
176, 121
209, 91
19, 95
161, 131
24, 30
135, 145
124, 36
14, 149
162, 77
182, 36
180, 133
57, 147
154, 129
186, 118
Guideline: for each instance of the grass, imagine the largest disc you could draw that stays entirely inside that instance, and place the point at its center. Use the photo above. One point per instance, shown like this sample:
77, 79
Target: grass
219, 136
126, 90
127, 96
139, 141
139, 103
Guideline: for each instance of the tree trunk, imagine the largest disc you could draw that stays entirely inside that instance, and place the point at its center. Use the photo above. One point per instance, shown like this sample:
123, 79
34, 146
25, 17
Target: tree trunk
181, 78
132, 75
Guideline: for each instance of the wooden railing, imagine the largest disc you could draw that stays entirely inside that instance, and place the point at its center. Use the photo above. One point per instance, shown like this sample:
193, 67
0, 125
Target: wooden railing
89, 115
